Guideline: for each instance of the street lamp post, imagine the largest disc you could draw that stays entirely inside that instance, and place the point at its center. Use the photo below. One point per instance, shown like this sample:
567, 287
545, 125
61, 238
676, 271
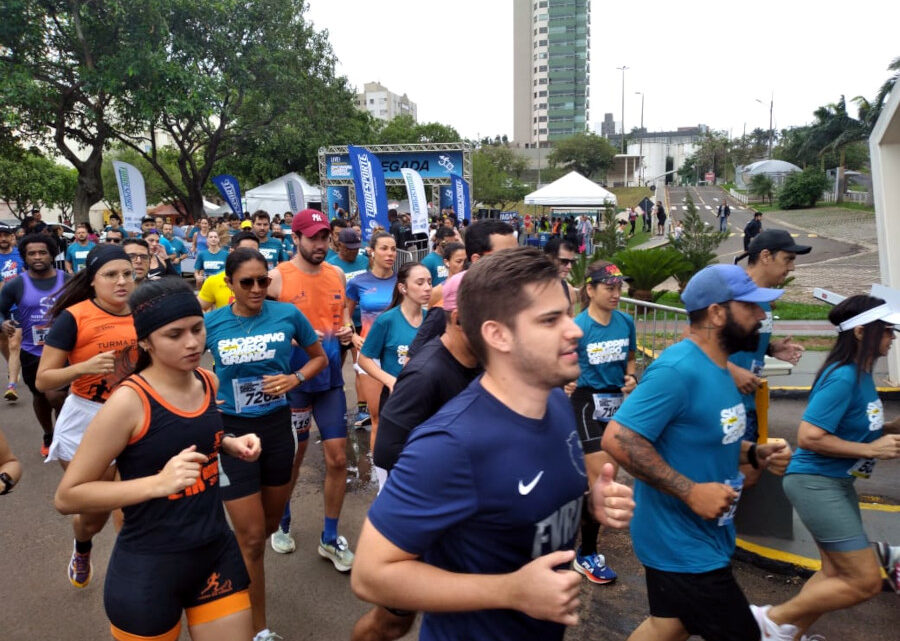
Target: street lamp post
771, 131
641, 152
622, 69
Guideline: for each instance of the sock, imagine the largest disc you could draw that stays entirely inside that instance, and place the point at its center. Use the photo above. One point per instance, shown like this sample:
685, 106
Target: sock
83, 547
329, 535
362, 407
590, 530
285, 524
261, 634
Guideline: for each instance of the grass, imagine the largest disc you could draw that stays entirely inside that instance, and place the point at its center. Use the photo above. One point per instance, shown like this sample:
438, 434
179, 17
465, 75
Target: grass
763, 207
784, 310
630, 196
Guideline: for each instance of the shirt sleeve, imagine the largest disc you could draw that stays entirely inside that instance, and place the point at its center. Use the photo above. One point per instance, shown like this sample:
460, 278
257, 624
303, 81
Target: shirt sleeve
429, 491
831, 398
352, 289
375, 339
206, 293
304, 332
434, 324
63, 333
654, 403
9, 295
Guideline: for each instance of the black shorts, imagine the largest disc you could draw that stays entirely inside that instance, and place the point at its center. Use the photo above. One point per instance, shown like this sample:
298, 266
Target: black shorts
710, 604
590, 430
145, 592
273, 467
30, 364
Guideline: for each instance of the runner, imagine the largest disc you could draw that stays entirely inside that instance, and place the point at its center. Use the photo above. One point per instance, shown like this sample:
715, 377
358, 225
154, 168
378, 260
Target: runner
269, 247
78, 250
159, 265
455, 263
215, 292
679, 434
138, 252
11, 265
386, 347
211, 260
336, 225
161, 428
317, 289
434, 261
90, 345
464, 530
250, 341
606, 357
198, 236
562, 253
32, 295
179, 251
842, 434
113, 236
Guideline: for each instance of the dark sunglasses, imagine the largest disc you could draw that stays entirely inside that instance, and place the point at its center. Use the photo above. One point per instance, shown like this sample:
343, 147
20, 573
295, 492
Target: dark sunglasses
247, 283
566, 261
114, 240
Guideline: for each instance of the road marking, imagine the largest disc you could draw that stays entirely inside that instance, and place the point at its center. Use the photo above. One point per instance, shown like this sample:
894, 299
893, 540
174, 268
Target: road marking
707, 206
812, 235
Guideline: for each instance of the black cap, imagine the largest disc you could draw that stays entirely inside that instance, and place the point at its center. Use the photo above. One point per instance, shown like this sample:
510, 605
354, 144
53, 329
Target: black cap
6, 229
349, 239
776, 240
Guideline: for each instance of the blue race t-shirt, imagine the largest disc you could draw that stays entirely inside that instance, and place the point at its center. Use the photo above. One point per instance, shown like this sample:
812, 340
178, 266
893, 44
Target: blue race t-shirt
210, 263
690, 410
481, 489
77, 254
273, 250
11, 265
288, 245
435, 264
603, 350
756, 361
389, 339
372, 296
351, 271
179, 250
847, 408
245, 349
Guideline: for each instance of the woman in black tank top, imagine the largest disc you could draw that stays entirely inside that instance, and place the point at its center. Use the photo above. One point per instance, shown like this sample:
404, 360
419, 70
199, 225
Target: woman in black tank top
163, 429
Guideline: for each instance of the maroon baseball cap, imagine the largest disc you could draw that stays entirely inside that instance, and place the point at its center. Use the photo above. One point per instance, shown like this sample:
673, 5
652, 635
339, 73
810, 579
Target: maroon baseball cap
310, 222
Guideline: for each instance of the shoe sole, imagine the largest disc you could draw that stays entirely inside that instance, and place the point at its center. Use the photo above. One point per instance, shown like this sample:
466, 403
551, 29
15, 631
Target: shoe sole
591, 577
87, 582
340, 567
11, 397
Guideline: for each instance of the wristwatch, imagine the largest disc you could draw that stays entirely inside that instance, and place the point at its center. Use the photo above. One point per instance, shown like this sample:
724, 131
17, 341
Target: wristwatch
8, 483
300, 376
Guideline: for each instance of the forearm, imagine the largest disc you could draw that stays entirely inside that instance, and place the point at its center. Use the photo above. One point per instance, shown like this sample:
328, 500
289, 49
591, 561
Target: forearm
892, 427
314, 366
831, 445
638, 456
105, 496
56, 378
369, 367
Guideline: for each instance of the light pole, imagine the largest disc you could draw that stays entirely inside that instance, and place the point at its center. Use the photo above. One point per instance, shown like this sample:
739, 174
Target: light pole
771, 132
622, 69
641, 152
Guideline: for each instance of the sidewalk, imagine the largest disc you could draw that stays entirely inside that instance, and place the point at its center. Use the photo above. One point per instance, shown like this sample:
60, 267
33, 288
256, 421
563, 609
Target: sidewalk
802, 375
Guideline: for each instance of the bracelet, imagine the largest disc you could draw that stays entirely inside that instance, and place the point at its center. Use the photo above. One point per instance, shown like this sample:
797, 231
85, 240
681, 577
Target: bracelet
751, 457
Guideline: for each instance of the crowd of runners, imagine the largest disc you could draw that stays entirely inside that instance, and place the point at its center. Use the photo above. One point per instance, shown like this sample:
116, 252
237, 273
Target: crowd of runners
501, 402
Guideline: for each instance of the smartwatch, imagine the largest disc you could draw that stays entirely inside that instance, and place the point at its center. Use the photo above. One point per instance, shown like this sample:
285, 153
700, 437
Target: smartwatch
300, 376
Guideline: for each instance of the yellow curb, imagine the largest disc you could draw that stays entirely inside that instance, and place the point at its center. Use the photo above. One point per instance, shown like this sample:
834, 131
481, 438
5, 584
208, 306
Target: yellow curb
779, 555
879, 507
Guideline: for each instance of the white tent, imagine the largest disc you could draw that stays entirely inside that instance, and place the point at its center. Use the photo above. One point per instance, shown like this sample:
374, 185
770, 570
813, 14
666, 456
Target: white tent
572, 190
272, 197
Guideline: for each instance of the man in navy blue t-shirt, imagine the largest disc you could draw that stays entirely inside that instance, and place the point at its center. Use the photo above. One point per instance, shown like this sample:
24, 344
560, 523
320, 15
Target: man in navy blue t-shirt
485, 500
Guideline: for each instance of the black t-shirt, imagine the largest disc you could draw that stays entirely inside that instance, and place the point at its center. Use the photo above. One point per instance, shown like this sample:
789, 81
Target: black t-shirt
753, 228
434, 325
427, 382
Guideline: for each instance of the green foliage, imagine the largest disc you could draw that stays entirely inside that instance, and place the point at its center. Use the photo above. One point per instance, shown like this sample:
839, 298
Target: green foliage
404, 129
606, 241
157, 190
28, 179
762, 186
802, 189
649, 268
495, 176
586, 153
697, 245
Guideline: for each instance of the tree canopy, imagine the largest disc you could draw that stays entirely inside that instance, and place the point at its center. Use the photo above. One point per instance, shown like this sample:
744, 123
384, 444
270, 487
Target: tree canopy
587, 153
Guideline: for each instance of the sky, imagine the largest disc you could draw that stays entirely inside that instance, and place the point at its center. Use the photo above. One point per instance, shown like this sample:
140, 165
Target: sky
696, 62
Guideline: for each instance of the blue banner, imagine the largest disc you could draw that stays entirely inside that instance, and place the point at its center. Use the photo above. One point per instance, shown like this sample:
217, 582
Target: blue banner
371, 195
429, 164
461, 203
446, 196
231, 191
338, 198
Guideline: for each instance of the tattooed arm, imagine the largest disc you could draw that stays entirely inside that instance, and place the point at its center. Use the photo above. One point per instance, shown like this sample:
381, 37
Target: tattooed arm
638, 456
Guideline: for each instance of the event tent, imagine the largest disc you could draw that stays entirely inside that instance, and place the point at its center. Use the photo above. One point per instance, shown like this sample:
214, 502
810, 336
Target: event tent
272, 197
572, 190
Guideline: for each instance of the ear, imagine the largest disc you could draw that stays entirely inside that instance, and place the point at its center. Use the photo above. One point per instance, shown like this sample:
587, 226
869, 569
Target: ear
497, 336
717, 315
858, 332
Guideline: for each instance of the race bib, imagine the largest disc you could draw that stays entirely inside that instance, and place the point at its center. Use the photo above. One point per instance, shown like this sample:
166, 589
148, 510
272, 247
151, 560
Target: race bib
863, 468
300, 419
757, 367
738, 484
248, 394
38, 334
605, 405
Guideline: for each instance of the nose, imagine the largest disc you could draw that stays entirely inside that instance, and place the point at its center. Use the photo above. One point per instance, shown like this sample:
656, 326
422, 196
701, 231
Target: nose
573, 331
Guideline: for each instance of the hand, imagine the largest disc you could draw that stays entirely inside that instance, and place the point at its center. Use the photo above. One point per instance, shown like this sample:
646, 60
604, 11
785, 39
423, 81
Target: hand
102, 363
390, 384
278, 384
344, 335
542, 592
569, 388
774, 456
886, 447
711, 500
787, 350
745, 380
630, 384
181, 471
611, 502
9, 327
247, 447
357, 341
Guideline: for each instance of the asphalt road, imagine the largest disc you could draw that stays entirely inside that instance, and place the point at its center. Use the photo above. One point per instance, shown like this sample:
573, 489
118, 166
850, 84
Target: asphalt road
307, 598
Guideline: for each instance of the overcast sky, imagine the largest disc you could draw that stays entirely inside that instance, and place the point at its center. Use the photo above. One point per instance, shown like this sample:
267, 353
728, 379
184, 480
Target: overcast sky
697, 62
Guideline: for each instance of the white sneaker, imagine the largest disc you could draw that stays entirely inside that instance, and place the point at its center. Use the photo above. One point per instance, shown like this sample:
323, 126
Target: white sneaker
282, 542
338, 553
267, 635
769, 630
812, 637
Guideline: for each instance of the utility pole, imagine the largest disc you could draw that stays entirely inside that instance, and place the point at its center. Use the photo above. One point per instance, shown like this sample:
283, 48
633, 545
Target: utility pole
771, 131
641, 152
623, 68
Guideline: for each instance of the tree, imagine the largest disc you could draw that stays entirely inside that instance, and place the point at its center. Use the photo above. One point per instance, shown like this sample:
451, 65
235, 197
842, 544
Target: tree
492, 182
802, 189
404, 129
762, 186
586, 153
29, 180
697, 244
833, 130
156, 189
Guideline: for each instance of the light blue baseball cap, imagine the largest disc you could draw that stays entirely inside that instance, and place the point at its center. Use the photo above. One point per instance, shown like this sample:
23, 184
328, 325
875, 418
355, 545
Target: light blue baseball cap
722, 283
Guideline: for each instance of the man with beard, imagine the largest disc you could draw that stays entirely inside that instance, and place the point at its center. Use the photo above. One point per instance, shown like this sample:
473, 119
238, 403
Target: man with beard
11, 265
679, 434
78, 251
485, 500
33, 294
317, 290
271, 248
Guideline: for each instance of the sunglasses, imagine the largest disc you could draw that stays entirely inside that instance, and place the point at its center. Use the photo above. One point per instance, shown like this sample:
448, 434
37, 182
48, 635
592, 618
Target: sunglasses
261, 281
138, 258
567, 261
114, 240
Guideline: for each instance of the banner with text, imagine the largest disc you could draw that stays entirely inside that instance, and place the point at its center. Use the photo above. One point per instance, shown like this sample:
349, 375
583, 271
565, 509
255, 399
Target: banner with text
429, 164
231, 191
461, 203
371, 195
132, 195
446, 196
296, 199
418, 205
338, 198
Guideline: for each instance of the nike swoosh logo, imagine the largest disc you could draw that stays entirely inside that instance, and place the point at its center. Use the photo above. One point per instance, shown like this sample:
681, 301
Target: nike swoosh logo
524, 489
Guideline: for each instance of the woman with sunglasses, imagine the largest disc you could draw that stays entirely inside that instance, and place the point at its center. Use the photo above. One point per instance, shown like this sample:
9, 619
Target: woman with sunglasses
91, 346
211, 260
250, 341
842, 434
175, 552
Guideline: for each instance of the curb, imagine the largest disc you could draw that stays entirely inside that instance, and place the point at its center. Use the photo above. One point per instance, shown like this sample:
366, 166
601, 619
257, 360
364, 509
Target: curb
800, 392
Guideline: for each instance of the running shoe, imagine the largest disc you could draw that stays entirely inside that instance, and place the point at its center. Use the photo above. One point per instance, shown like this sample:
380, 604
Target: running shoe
362, 420
338, 553
889, 558
812, 637
45, 446
11, 393
593, 567
80, 569
769, 630
282, 542
267, 635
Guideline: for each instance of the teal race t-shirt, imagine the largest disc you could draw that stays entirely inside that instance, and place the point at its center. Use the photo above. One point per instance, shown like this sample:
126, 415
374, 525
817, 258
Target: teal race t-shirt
273, 250
210, 263
603, 350
77, 254
435, 264
389, 339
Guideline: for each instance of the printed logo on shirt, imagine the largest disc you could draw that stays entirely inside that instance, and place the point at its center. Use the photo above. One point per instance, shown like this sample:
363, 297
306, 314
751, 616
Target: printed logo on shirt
766, 324
442, 271
576, 453
608, 351
9, 270
209, 473
557, 530
248, 349
402, 354
734, 422
875, 412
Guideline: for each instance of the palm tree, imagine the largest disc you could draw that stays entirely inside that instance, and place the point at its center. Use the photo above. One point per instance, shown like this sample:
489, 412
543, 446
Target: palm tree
833, 130
869, 112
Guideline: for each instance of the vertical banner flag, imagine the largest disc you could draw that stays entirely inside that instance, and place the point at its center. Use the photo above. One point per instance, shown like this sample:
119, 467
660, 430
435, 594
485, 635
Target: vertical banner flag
338, 198
296, 199
461, 203
132, 195
418, 206
446, 196
371, 195
231, 191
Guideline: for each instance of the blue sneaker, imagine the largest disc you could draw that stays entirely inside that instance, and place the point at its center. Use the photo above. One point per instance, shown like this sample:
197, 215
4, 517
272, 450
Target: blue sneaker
593, 567
362, 420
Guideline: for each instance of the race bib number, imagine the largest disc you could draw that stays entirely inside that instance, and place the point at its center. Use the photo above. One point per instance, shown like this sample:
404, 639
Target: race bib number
300, 419
38, 334
757, 367
863, 468
605, 405
738, 484
248, 394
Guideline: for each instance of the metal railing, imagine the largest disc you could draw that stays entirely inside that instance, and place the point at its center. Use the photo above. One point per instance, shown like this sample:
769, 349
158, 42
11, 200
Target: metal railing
738, 196
657, 326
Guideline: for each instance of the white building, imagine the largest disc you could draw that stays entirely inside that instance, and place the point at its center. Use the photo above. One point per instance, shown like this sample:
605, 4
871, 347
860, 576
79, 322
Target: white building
383, 104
